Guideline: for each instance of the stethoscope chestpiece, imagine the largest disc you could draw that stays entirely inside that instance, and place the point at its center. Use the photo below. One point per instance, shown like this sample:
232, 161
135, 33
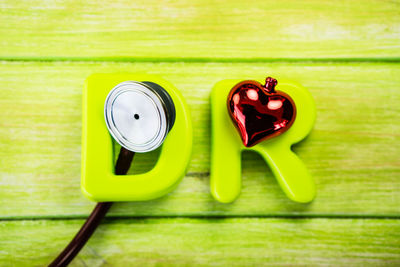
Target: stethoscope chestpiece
139, 115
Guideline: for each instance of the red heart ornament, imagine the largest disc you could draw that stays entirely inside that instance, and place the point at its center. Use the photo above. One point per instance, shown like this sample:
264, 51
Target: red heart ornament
259, 112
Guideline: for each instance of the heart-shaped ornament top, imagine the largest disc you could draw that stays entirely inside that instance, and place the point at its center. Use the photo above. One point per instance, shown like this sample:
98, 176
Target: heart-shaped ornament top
259, 112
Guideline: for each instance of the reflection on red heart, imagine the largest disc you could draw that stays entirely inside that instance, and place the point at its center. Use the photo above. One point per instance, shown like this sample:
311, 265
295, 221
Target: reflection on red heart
259, 112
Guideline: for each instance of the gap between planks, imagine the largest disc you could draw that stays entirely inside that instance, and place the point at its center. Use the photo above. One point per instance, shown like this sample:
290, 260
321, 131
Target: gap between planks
203, 60
64, 217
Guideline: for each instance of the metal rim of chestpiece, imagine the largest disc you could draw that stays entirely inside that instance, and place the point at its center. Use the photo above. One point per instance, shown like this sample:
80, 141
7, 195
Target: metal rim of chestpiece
139, 115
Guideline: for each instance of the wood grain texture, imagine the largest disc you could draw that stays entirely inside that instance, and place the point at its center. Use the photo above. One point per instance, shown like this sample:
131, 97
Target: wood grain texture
353, 152
208, 242
200, 29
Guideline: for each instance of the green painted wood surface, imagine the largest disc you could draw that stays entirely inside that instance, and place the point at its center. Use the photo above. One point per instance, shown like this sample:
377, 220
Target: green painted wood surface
200, 29
209, 242
337, 49
352, 152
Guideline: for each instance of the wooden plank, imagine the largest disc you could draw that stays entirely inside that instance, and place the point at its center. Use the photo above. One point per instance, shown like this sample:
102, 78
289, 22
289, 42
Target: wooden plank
352, 152
200, 29
205, 242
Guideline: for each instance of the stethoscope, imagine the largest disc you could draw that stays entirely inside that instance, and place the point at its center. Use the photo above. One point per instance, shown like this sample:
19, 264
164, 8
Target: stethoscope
139, 116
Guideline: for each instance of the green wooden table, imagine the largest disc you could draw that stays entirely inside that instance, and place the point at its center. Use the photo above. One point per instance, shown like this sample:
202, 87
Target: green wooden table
346, 53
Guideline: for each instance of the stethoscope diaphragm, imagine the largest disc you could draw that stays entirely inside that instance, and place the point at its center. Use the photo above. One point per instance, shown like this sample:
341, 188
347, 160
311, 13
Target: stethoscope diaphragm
139, 115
